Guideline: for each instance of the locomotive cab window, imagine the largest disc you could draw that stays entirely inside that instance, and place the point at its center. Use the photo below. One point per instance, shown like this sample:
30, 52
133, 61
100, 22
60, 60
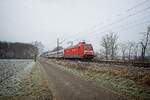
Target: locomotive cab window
88, 47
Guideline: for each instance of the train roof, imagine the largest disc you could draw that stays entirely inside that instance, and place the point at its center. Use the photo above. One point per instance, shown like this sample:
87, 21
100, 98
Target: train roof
80, 43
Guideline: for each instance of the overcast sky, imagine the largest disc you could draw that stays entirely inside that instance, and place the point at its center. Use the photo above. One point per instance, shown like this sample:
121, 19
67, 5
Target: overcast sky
72, 20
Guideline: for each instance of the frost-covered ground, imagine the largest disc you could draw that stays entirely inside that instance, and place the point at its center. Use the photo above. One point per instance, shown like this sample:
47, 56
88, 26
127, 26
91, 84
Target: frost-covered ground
23, 80
11, 72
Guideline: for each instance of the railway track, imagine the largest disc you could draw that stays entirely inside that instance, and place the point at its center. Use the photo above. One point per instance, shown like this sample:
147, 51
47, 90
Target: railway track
145, 64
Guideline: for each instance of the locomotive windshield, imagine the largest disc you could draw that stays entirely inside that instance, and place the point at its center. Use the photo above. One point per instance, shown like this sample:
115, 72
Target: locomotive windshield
88, 47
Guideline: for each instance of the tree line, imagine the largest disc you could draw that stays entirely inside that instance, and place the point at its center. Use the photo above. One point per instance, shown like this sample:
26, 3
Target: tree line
9, 50
112, 49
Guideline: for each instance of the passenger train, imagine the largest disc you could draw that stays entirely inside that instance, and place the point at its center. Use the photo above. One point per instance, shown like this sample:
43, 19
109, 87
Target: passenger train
81, 50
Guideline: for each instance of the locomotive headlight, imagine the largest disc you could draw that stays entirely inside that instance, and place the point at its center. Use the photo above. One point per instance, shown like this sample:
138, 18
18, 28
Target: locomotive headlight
88, 52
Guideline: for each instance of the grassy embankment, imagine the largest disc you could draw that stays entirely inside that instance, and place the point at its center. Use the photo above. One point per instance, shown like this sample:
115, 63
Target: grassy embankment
131, 81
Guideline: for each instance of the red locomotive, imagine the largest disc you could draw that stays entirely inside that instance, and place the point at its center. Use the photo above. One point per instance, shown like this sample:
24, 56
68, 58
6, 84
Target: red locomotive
80, 51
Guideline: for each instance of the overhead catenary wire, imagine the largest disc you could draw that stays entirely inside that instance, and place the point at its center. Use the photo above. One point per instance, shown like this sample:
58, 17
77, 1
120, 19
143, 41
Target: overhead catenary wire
126, 11
124, 27
129, 27
122, 19
120, 26
139, 4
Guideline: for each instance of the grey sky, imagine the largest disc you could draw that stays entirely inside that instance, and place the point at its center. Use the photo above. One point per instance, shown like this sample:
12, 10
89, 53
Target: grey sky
89, 20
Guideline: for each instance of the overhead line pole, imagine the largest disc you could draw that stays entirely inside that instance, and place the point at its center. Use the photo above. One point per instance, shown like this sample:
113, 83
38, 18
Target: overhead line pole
58, 43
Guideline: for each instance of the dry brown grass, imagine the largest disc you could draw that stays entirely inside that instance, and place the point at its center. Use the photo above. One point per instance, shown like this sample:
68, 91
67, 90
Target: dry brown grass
125, 79
145, 79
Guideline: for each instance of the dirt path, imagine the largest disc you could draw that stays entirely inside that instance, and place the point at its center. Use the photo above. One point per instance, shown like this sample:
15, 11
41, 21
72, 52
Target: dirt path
67, 86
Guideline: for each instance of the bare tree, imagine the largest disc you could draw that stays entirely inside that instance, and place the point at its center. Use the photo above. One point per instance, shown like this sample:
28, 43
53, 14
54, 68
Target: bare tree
144, 43
136, 50
130, 48
105, 44
38, 48
123, 48
148, 51
109, 43
101, 54
113, 44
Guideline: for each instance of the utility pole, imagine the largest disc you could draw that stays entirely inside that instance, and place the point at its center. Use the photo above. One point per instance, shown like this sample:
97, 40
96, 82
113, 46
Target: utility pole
57, 46
58, 43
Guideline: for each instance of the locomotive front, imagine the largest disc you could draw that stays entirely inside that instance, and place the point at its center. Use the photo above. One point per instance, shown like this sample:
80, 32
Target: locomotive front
88, 51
